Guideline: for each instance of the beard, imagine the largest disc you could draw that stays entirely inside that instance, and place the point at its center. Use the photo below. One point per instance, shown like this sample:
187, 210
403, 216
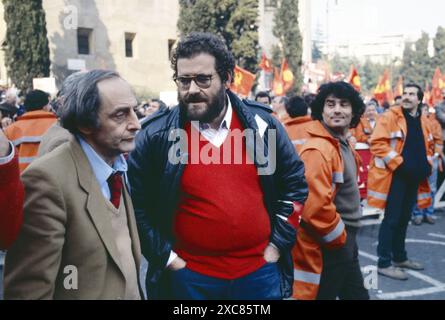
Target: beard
214, 105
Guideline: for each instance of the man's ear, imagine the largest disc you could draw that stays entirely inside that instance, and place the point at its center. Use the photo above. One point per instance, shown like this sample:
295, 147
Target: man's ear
86, 131
228, 82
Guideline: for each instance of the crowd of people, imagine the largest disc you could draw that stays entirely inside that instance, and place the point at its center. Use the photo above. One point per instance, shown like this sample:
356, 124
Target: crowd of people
226, 198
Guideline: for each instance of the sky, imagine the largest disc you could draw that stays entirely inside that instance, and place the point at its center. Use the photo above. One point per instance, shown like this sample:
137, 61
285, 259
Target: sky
370, 18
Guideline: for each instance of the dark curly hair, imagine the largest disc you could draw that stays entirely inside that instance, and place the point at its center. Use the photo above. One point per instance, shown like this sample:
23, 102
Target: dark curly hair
340, 90
202, 42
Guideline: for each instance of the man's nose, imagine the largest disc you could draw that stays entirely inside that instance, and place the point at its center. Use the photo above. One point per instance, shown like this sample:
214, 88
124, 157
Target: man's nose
194, 88
134, 121
337, 107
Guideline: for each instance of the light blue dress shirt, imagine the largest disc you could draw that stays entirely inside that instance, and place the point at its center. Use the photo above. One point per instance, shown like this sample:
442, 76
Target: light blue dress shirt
101, 169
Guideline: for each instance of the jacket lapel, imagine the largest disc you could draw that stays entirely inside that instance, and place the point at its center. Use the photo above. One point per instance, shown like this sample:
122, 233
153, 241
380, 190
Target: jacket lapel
96, 206
132, 228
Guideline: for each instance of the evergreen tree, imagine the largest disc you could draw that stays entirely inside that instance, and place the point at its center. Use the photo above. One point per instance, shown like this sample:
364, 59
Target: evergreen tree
342, 64
369, 71
439, 49
277, 56
243, 32
417, 65
287, 31
205, 16
370, 74
26, 45
423, 62
408, 69
235, 21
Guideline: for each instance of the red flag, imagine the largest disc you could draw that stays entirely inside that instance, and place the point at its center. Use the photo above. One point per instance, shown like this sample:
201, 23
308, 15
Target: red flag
242, 82
266, 64
398, 90
438, 85
383, 92
287, 76
427, 95
278, 86
354, 79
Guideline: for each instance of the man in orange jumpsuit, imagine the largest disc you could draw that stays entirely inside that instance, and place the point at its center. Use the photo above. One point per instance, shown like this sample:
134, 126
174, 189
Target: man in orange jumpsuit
296, 126
326, 260
26, 133
402, 146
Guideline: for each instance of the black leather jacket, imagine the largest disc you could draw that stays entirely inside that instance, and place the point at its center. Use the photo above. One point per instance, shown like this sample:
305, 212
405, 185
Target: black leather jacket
155, 178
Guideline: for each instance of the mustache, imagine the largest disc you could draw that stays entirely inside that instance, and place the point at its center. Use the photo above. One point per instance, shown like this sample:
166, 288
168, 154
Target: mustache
193, 98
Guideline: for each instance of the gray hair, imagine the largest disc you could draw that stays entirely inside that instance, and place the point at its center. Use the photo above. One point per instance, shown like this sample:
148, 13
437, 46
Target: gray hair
82, 101
69, 82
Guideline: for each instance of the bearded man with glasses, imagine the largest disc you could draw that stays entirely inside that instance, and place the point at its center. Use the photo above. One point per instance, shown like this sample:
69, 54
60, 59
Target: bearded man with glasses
213, 227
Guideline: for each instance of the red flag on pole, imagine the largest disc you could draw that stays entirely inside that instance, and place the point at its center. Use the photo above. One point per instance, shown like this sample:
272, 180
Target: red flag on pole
266, 64
243, 81
383, 92
427, 97
438, 85
278, 86
287, 76
354, 79
398, 90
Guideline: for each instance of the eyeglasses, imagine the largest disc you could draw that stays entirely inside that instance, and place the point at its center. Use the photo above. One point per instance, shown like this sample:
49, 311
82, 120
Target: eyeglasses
202, 80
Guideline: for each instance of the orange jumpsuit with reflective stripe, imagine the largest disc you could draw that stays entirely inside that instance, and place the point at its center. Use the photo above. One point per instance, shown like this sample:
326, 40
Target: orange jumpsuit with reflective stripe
363, 131
296, 129
321, 225
26, 134
387, 142
436, 130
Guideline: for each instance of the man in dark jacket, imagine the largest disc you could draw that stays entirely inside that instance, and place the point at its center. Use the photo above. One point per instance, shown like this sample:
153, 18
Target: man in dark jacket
217, 187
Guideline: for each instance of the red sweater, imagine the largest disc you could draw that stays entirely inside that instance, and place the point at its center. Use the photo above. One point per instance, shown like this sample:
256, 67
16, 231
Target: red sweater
11, 202
221, 225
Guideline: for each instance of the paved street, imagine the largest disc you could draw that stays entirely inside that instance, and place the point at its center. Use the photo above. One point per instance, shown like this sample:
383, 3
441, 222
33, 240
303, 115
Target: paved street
425, 243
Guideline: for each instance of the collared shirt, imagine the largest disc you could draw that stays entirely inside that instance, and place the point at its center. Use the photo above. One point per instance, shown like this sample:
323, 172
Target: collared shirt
8, 158
101, 169
216, 137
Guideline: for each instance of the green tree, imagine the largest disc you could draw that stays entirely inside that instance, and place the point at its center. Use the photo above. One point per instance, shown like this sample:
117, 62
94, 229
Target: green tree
439, 49
408, 69
342, 64
287, 31
424, 65
417, 64
277, 56
26, 44
242, 30
235, 21
370, 73
205, 16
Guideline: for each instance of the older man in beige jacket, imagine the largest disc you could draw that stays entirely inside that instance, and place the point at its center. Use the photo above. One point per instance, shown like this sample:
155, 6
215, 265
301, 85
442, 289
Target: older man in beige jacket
79, 237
